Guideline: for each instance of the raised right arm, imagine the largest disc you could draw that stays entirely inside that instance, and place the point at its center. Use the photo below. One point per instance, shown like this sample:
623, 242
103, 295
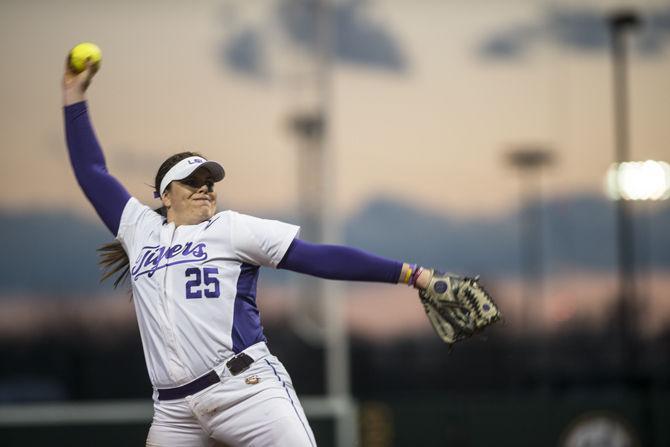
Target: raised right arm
105, 193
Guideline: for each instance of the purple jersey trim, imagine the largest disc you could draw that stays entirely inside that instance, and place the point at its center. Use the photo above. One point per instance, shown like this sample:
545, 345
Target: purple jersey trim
339, 262
105, 193
247, 329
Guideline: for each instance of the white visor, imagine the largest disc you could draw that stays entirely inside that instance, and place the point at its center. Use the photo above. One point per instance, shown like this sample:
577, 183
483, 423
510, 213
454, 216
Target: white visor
187, 166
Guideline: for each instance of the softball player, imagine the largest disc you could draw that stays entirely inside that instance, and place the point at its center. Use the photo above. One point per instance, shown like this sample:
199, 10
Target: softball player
193, 273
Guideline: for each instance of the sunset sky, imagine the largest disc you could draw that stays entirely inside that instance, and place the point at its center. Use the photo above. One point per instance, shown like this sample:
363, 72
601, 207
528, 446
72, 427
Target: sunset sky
432, 129
425, 99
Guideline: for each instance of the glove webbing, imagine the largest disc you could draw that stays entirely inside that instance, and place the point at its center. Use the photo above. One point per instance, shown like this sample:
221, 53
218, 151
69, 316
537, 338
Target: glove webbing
476, 303
459, 327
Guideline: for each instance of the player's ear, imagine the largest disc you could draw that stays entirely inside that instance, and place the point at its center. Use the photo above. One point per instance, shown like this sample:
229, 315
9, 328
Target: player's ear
165, 198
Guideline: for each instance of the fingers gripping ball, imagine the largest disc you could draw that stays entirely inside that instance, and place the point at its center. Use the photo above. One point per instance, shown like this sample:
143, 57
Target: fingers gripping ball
84, 52
457, 307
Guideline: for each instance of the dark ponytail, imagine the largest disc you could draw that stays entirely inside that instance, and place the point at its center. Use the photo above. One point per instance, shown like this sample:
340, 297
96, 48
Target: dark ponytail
113, 258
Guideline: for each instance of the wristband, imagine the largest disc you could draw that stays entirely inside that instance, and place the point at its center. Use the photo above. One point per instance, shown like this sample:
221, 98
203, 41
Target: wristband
411, 269
408, 275
415, 276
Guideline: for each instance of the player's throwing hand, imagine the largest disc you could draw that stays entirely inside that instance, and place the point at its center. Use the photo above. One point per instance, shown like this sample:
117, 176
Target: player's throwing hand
75, 84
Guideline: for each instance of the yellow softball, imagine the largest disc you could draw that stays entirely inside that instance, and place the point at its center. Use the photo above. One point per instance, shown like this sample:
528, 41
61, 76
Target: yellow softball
83, 52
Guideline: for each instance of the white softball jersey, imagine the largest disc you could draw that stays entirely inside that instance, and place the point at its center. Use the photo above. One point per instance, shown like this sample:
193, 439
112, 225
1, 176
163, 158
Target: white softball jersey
194, 287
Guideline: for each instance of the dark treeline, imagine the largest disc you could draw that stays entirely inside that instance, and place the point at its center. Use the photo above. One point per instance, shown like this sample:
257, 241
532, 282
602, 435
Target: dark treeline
78, 365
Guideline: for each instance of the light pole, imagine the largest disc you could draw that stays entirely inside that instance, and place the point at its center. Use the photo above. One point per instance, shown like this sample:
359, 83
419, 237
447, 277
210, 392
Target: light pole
316, 188
620, 23
529, 160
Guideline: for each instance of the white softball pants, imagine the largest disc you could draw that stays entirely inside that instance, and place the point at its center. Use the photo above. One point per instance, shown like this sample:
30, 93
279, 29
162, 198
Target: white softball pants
235, 412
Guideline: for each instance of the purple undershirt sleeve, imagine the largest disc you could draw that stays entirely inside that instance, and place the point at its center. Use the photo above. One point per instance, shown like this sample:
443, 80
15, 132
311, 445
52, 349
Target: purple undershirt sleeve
339, 262
105, 193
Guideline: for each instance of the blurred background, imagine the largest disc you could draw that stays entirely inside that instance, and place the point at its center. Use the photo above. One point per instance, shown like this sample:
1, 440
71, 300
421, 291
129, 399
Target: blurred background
500, 138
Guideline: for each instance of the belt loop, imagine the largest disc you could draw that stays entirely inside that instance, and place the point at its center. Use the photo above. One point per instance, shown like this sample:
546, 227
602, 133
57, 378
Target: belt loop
240, 363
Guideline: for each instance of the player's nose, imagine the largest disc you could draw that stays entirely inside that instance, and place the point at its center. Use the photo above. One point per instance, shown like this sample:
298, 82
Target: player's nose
206, 188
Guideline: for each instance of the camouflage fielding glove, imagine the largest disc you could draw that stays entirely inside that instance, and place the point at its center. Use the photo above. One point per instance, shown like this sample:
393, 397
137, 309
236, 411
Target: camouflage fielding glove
457, 307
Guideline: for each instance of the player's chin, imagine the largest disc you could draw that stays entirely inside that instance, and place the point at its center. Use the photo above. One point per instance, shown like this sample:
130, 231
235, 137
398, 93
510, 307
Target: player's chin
205, 211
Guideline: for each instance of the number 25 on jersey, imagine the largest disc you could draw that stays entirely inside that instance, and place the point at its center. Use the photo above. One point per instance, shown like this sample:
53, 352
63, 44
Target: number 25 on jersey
202, 281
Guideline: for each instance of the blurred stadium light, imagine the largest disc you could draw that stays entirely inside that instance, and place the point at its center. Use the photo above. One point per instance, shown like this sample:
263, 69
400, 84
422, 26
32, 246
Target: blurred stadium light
638, 180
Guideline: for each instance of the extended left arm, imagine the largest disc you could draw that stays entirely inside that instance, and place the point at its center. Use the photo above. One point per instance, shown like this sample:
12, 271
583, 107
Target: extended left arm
457, 307
349, 264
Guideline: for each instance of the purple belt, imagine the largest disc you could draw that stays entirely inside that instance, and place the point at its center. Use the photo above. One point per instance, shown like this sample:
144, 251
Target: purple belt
236, 365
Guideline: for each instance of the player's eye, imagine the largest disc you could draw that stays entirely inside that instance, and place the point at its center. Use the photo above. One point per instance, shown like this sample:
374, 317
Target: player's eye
193, 183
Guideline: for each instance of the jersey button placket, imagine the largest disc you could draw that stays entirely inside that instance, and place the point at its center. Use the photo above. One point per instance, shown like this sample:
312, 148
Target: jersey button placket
175, 363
